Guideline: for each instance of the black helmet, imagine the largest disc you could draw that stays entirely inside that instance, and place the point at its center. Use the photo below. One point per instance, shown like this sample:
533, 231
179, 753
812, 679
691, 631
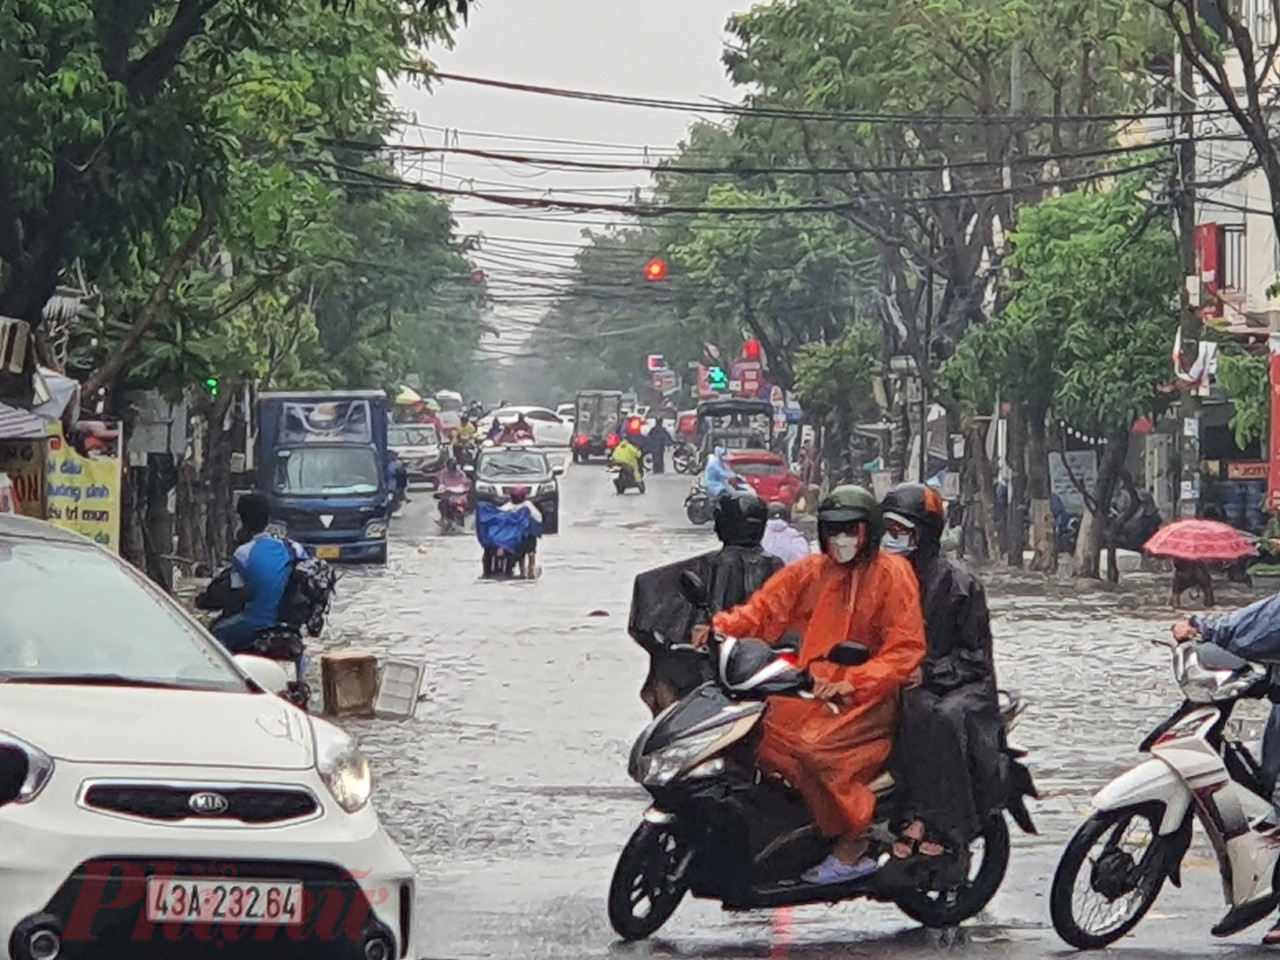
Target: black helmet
916, 507
847, 504
740, 519
779, 511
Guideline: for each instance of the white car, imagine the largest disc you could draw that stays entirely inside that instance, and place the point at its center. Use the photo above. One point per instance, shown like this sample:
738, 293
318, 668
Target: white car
568, 412
549, 430
153, 794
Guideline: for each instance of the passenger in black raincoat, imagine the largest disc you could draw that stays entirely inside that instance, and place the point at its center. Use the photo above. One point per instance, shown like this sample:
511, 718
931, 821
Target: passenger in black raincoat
661, 617
949, 758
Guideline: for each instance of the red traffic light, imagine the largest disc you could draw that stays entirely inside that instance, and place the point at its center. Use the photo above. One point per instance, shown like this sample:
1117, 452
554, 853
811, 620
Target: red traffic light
478, 277
751, 350
655, 269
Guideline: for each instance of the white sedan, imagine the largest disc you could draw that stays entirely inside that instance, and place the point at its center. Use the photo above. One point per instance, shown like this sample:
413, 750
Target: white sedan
151, 789
549, 430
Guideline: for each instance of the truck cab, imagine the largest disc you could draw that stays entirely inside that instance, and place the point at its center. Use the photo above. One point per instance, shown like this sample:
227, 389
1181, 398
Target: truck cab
322, 460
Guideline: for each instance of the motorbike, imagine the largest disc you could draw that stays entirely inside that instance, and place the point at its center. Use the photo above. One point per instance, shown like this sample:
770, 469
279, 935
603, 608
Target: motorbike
720, 830
698, 506
624, 478
684, 458
283, 644
509, 540
455, 504
1195, 771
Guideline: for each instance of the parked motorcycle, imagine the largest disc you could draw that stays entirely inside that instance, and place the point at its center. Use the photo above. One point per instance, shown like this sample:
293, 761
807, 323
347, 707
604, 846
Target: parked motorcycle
1112, 870
720, 830
624, 478
684, 458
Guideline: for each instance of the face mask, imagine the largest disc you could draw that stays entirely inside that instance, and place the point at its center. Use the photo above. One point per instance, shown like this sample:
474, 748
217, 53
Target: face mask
901, 545
720, 451
842, 548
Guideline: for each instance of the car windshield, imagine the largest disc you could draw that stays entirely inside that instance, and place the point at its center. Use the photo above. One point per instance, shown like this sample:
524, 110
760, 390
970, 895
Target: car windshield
512, 465
326, 471
413, 436
127, 632
755, 468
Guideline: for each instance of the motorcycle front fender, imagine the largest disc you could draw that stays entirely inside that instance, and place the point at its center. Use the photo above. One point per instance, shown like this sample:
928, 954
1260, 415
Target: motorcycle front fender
1152, 781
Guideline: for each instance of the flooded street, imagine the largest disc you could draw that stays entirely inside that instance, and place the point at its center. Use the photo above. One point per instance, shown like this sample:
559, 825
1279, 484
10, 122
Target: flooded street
509, 789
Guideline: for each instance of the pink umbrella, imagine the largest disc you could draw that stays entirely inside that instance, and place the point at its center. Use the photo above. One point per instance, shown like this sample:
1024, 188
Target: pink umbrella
1193, 540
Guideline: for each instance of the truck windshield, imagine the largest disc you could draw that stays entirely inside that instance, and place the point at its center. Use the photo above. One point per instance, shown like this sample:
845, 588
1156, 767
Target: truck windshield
413, 435
326, 471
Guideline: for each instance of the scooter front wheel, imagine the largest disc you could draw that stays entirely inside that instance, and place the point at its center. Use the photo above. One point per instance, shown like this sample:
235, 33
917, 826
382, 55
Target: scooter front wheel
1101, 890
649, 881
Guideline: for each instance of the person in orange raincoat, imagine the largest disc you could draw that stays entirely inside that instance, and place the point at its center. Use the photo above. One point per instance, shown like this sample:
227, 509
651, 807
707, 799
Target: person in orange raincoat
851, 591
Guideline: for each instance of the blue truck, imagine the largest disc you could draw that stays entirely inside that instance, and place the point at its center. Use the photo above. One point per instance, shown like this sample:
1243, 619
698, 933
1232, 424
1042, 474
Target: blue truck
322, 460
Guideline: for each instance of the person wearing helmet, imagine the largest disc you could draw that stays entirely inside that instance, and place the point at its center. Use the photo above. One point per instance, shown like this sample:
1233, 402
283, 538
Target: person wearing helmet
629, 458
948, 758
781, 539
660, 616
850, 591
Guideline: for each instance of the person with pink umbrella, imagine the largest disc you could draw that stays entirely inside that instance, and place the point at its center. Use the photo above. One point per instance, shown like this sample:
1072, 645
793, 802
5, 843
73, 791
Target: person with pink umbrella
1192, 545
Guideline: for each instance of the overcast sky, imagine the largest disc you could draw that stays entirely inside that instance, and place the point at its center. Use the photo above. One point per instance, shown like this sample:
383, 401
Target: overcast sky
654, 48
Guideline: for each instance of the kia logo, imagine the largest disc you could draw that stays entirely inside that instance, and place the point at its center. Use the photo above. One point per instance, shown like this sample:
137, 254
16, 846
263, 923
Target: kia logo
208, 804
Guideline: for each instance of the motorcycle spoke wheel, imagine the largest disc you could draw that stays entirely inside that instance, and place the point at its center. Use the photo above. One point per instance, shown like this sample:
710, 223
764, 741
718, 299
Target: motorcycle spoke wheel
988, 857
649, 881
1108, 878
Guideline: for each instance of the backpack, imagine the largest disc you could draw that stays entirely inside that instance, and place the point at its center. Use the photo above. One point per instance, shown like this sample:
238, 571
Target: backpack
307, 594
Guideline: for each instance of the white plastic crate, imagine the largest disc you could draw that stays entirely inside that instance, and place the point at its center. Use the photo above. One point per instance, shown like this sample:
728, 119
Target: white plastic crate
398, 685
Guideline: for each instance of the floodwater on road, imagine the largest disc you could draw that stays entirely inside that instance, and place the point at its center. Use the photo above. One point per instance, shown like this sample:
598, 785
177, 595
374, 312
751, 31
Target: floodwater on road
509, 791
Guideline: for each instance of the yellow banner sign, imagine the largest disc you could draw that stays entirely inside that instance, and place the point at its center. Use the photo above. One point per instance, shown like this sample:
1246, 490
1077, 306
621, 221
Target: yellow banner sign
83, 493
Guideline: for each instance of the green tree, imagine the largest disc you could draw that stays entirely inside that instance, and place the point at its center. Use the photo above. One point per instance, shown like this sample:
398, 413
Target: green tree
1246, 380
834, 382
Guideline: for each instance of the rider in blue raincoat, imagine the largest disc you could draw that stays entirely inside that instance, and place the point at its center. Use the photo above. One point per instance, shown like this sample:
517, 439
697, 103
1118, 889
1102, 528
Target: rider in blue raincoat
718, 478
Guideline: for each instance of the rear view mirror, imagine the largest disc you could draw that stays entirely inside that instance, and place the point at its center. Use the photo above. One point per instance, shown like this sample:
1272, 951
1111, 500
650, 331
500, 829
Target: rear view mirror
790, 641
849, 654
694, 590
469, 470
558, 470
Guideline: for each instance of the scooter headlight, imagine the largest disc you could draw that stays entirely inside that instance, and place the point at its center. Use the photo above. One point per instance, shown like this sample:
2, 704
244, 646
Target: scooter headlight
277, 528
662, 766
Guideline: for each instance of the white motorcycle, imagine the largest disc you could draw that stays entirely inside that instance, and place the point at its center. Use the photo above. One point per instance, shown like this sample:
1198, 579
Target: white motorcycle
1112, 870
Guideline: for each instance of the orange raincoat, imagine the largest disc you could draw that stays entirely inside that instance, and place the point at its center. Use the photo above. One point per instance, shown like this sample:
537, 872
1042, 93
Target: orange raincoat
830, 758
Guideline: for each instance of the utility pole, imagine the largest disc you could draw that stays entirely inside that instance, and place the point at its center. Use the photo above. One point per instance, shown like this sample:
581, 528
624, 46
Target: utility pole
1191, 325
925, 360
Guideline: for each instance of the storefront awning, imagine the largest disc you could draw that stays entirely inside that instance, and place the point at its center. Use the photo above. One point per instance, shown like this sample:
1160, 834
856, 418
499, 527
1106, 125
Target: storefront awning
18, 424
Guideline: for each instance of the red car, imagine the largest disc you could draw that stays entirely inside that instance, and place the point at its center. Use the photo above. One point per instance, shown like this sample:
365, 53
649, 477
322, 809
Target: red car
767, 474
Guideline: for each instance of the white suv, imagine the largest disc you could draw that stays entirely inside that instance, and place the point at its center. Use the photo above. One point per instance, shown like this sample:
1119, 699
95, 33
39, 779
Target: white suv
154, 798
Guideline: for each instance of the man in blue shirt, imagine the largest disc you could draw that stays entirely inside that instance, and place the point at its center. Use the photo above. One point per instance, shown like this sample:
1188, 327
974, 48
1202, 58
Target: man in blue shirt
260, 571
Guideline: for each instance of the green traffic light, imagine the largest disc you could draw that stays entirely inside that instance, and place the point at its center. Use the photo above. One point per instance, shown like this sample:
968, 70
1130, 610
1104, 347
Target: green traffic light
211, 384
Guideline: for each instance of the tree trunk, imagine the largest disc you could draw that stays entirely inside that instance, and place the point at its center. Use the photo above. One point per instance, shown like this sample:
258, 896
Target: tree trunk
1044, 538
221, 516
977, 487
1094, 526
157, 526
1015, 525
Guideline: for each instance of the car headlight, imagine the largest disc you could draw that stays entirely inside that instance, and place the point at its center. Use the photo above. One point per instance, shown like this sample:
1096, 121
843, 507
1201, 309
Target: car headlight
375, 529
486, 488
38, 763
663, 766
342, 767
277, 528
545, 488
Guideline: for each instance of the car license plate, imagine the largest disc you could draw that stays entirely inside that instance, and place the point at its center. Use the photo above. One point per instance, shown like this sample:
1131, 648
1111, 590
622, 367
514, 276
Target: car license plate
214, 900
328, 553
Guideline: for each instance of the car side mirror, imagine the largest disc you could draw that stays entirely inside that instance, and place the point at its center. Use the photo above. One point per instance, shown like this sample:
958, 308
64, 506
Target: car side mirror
266, 673
558, 470
694, 590
849, 654
469, 470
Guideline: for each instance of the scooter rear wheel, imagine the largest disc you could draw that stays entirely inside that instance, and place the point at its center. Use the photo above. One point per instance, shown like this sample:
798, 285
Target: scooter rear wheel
947, 908
649, 881
1116, 875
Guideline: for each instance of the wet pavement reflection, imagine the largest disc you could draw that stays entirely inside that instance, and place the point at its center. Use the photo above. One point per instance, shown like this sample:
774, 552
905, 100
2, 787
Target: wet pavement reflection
509, 792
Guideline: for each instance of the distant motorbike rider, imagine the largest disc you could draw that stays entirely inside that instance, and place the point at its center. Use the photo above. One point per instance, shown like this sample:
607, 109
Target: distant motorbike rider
718, 478
517, 431
660, 616
630, 458
851, 591
520, 501
397, 480
249, 594
781, 539
948, 757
